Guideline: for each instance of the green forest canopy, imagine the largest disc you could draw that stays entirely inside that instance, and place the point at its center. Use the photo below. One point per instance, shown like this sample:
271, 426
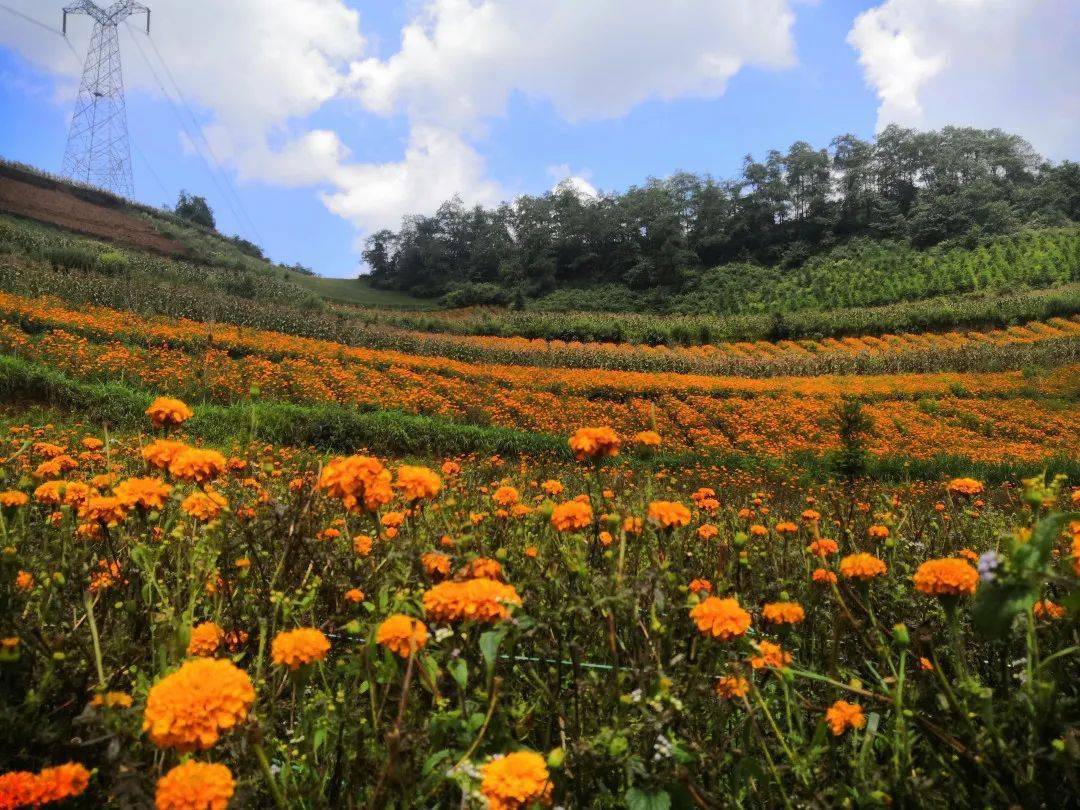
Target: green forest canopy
906, 190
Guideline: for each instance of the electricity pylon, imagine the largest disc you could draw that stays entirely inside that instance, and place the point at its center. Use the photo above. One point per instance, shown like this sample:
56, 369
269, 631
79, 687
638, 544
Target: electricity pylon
98, 152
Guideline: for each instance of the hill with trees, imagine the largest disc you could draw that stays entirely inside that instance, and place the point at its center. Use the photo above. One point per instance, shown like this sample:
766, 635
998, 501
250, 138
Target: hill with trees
857, 223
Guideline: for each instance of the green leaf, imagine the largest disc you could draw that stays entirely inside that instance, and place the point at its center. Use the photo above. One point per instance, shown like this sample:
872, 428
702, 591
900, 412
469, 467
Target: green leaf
459, 671
433, 761
997, 604
640, 800
489, 647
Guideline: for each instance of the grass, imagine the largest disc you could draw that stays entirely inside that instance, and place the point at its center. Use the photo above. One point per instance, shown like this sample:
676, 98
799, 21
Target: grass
358, 292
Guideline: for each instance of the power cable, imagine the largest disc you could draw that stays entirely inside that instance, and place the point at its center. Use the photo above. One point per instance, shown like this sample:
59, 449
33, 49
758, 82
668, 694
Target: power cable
46, 26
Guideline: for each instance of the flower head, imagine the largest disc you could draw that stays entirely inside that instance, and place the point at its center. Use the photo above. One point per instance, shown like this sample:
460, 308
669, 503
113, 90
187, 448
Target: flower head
14, 497
964, 487
480, 600
204, 505
205, 639
571, 516
861, 566
594, 443
730, 687
647, 438
195, 786
359, 482
843, 715
668, 514
146, 493
722, 619
950, 576
190, 708
516, 781
161, 452
402, 634
295, 648
197, 465
417, 483
769, 655
168, 412
783, 612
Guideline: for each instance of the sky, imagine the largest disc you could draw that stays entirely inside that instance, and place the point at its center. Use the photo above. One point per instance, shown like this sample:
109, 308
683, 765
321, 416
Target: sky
331, 119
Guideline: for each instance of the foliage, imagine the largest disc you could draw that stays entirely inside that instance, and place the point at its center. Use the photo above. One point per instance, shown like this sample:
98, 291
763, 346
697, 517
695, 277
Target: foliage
194, 209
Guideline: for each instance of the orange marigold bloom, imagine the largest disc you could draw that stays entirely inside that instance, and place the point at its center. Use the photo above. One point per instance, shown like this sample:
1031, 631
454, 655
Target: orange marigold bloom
862, 566
700, 585
61, 782
362, 544
359, 482
823, 576
112, 700
55, 467
168, 412
732, 686
571, 516
786, 527
204, 505
161, 452
668, 514
843, 715
516, 781
482, 600
295, 648
105, 510
1045, 609
633, 525
354, 595
191, 707
594, 443
435, 564
506, 496
483, 568
722, 619
878, 532
400, 634
552, 487
416, 483
757, 530
647, 438
707, 531
965, 487
205, 639
197, 465
24, 580
968, 554
18, 789
769, 655
148, 493
811, 516
92, 443
783, 612
823, 547
195, 786
14, 497
946, 577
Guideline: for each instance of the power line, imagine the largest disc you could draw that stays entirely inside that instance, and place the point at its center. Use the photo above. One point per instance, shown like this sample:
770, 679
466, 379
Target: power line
206, 142
46, 26
184, 126
149, 166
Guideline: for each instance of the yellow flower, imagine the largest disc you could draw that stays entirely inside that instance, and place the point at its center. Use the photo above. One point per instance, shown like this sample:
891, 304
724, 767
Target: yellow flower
359, 482
204, 505
197, 465
732, 686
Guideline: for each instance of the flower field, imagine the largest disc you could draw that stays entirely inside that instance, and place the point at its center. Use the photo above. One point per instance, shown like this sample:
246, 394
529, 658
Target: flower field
247, 567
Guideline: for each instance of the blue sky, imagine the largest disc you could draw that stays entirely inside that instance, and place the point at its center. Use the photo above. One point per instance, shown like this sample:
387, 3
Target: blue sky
348, 126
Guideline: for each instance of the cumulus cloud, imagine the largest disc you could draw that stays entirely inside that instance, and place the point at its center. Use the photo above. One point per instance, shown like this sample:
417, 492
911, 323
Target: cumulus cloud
460, 60
576, 182
987, 63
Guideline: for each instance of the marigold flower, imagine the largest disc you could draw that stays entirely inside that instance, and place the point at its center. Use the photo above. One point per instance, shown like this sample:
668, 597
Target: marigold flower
205, 639
633, 525
105, 510
195, 786
204, 505
810, 516
18, 789
878, 532
594, 443
147, 493
769, 655
707, 531
112, 700
516, 781
946, 577
435, 564
861, 566
483, 568
197, 465
354, 595
786, 527
359, 482
843, 715
191, 707
700, 586
757, 530
160, 452
730, 687
417, 483
668, 514
647, 438
481, 600
722, 619
60, 782
506, 496
964, 487
24, 580
92, 443
552, 487
571, 516
402, 634
1045, 609
295, 648
55, 467
823, 576
168, 412
362, 544
823, 547
783, 612
14, 497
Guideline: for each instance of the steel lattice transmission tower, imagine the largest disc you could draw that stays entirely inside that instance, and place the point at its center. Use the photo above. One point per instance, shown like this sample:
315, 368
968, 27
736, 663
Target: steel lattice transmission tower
98, 152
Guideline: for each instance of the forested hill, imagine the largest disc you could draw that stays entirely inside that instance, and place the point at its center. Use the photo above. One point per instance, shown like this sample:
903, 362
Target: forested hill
856, 222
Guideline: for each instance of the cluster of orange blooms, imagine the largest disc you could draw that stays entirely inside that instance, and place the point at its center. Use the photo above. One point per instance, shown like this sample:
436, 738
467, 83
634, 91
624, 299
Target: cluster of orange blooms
49, 785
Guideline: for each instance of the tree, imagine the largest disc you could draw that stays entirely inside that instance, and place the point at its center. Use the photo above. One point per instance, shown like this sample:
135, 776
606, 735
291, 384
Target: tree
195, 209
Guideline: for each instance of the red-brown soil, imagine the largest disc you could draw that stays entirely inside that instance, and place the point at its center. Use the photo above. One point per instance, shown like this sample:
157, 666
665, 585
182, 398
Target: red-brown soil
57, 206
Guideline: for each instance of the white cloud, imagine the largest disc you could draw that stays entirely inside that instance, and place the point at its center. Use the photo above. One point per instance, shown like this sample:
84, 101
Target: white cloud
578, 182
460, 60
1010, 64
